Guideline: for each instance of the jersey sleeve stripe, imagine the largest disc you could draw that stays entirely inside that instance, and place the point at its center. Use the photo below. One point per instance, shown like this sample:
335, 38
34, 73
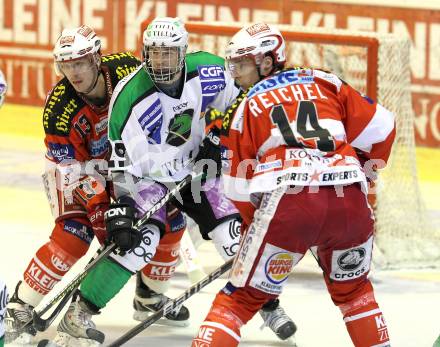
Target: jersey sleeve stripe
377, 130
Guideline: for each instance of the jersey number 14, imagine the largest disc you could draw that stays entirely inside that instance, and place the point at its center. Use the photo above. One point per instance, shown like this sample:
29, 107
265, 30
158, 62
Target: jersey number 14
306, 111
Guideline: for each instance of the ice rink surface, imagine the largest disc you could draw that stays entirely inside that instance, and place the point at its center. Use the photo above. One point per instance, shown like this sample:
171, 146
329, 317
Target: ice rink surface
410, 299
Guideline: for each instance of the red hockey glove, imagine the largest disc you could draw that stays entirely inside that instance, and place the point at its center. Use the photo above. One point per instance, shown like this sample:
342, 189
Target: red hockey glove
91, 194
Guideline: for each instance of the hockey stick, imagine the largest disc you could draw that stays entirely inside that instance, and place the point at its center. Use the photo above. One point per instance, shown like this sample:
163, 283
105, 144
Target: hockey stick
190, 258
172, 304
42, 324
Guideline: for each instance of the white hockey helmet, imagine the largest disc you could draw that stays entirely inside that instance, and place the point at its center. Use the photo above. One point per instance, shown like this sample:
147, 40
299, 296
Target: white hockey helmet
257, 41
77, 43
165, 34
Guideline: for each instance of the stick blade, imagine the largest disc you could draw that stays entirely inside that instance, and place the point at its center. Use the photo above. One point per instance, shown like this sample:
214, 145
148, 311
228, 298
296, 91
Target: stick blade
39, 323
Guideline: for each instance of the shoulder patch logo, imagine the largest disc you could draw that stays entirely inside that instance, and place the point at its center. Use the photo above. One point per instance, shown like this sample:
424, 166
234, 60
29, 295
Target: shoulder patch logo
60, 151
211, 71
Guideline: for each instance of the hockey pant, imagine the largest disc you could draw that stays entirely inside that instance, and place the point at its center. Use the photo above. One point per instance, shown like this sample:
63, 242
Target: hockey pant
338, 229
69, 241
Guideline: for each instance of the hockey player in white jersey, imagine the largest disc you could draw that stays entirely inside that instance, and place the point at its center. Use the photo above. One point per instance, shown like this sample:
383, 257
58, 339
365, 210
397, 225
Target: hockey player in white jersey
157, 132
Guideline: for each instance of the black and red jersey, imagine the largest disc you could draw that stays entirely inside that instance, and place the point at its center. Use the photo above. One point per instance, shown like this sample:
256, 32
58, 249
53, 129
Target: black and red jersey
74, 127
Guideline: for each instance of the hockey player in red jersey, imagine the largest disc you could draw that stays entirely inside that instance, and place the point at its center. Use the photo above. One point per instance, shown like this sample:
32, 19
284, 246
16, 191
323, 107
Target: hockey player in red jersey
296, 152
75, 125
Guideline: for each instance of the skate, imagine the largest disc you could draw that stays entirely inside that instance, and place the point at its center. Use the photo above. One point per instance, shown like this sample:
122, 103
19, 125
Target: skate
18, 313
147, 301
277, 320
76, 329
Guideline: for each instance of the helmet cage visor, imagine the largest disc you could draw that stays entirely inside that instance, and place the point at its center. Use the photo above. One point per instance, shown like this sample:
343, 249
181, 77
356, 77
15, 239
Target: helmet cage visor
163, 63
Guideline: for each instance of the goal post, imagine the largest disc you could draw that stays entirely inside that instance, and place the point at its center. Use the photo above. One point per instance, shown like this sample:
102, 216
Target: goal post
377, 65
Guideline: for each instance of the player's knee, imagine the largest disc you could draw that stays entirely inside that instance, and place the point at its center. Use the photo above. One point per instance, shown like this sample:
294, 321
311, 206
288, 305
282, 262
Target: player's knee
47, 268
176, 223
353, 297
73, 236
136, 259
345, 292
161, 268
226, 238
251, 298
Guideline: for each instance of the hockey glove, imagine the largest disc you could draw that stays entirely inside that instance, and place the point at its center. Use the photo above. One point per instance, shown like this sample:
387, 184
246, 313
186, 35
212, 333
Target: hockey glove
96, 217
91, 194
119, 220
210, 148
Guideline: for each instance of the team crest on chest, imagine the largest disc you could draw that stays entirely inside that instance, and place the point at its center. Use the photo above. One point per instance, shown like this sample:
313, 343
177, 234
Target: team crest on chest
180, 128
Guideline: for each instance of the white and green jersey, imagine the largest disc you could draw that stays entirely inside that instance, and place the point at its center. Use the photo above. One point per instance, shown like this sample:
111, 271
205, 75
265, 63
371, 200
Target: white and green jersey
155, 135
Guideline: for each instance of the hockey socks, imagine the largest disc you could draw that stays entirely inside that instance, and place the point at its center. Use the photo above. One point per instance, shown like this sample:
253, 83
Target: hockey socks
221, 328
368, 329
228, 313
104, 282
365, 322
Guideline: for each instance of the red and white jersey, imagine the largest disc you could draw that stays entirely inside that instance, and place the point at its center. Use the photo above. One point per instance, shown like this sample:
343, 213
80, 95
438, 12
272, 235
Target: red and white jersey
302, 127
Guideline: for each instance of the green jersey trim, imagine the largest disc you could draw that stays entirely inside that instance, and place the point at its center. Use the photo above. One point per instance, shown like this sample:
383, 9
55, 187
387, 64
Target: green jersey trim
133, 90
196, 59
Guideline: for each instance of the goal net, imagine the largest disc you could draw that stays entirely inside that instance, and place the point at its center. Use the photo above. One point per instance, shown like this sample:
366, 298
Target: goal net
377, 65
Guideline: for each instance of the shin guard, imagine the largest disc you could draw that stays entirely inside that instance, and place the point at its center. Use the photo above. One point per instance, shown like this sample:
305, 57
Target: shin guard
365, 322
46, 269
221, 328
158, 272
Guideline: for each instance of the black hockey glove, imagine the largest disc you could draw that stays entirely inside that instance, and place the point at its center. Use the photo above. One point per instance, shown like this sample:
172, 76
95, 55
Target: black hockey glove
119, 220
210, 148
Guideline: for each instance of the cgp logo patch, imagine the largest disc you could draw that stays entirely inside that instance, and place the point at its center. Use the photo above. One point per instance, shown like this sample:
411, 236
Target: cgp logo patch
351, 263
212, 81
214, 72
278, 267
